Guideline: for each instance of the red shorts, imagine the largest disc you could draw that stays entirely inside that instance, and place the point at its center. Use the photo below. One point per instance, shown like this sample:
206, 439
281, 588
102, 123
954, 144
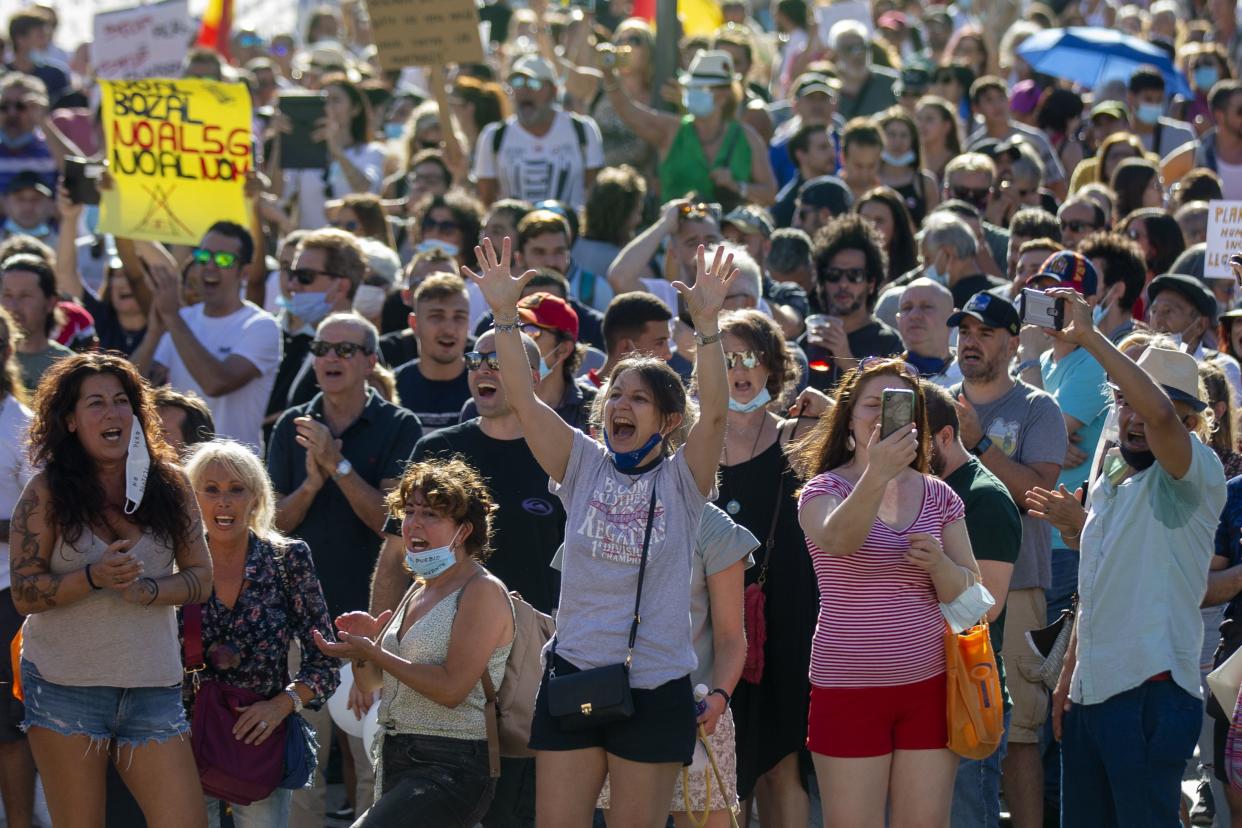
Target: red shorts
856, 722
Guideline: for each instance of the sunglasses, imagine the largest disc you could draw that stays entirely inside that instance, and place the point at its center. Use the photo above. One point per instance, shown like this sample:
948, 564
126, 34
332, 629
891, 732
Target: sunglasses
1079, 226
475, 360
221, 258
700, 211
306, 275
534, 331
975, 197
448, 226
746, 359
900, 364
13, 106
344, 350
526, 82
854, 275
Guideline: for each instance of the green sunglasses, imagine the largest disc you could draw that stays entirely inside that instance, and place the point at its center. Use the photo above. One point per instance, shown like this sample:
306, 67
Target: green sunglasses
222, 258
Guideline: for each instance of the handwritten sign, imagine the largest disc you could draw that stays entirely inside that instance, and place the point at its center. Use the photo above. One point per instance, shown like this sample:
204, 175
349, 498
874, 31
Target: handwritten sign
425, 32
142, 42
179, 152
1224, 237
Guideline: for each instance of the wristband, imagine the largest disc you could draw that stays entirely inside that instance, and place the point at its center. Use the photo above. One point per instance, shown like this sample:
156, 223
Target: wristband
720, 691
707, 340
1025, 364
981, 447
506, 327
91, 580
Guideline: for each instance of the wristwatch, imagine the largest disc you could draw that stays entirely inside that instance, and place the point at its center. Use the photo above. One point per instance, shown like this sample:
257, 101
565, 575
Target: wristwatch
982, 446
297, 700
707, 340
342, 469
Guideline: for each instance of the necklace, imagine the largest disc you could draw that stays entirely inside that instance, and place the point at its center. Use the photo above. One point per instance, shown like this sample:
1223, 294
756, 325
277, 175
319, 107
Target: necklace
763, 424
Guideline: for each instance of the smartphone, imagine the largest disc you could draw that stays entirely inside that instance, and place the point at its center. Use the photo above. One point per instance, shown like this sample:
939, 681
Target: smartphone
896, 410
1038, 308
82, 179
297, 150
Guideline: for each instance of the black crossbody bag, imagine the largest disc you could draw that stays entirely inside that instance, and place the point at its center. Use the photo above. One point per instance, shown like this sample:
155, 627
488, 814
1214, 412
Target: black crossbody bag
590, 698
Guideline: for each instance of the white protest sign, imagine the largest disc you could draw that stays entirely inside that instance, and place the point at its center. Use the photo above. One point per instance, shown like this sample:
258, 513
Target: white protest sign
1224, 237
142, 42
827, 16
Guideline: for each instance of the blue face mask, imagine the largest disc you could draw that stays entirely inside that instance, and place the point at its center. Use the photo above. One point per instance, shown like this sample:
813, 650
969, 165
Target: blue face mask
627, 461
431, 562
41, 231
1098, 313
698, 101
311, 308
16, 143
545, 370
393, 131
761, 399
449, 248
1206, 77
1149, 113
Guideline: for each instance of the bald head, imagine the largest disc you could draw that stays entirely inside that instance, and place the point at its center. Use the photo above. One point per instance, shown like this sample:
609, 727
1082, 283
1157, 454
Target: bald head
922, 318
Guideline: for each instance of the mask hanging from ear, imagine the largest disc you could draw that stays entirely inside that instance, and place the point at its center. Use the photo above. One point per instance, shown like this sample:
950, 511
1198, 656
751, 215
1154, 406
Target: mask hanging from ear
627, 461
137, 465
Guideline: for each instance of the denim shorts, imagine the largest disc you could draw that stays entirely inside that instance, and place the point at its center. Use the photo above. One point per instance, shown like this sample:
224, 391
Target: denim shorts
126, 716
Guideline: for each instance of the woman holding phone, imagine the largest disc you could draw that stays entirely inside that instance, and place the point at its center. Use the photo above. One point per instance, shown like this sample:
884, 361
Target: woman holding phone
889, 544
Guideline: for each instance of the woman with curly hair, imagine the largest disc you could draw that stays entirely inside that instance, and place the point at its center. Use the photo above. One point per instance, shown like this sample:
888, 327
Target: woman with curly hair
429, 655
757, 490
93, 543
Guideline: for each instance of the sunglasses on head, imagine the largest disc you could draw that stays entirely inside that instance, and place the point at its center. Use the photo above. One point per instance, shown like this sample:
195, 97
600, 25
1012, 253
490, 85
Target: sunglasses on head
344, 350
448, 226
221, 258
475, 360
854, 275
900, 364
306, 275
526, 82
700, 211
745, 359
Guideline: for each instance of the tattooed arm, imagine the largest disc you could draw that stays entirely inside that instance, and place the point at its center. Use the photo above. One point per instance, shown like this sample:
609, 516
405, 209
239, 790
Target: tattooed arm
31, 538
192, 582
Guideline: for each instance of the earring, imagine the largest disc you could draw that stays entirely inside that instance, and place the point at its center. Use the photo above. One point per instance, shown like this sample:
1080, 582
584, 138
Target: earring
850, 443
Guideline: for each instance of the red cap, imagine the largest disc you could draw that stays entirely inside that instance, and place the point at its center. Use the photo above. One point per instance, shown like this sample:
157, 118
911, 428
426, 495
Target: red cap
548, 311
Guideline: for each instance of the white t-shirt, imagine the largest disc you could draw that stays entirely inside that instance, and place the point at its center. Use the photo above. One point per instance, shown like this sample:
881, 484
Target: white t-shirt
249, 331
14, 470
536, 168
312, 190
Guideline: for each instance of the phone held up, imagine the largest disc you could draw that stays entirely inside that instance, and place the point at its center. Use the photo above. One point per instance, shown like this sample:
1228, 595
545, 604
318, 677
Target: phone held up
1038, 308
896, 410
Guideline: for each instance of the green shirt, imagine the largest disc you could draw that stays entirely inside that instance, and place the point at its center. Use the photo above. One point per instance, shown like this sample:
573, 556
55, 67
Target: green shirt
995, 529
685, 169
34, 365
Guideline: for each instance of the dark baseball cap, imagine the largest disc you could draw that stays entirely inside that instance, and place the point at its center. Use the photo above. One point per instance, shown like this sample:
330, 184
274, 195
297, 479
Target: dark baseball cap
991, 310
27, 180
827, 191
1190, 288
1069, 269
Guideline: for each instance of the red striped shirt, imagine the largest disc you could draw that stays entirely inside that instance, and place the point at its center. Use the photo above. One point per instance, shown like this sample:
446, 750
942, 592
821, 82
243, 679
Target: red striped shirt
879, 617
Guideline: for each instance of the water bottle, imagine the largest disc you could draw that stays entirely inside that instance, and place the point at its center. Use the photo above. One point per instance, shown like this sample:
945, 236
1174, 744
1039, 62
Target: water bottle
699, 763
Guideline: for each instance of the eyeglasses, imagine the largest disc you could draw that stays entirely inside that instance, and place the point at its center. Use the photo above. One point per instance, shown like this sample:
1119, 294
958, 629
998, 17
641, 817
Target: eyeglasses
13, 106
475, 360
222, 258
854, 275
526, 82
447, 226
306, 275
344, 350
1079, 226
746, 359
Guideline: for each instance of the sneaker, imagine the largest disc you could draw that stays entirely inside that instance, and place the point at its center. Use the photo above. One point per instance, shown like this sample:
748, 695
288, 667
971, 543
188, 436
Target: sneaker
342, 814
1203, 812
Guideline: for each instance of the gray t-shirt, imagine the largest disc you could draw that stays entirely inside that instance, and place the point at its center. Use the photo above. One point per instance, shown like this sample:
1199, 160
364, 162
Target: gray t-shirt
1027, 425
606, 517
721, 544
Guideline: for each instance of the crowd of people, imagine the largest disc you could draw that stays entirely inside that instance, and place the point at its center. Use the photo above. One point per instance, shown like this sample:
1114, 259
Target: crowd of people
555, 340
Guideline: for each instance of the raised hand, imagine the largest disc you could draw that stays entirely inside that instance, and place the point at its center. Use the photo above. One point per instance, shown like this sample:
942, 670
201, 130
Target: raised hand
500, 287
711, 286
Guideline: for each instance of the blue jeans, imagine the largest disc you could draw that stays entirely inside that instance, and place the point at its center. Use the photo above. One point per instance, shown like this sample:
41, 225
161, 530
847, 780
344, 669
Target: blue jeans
1064, 584
976, 790
1122, 759
272, 812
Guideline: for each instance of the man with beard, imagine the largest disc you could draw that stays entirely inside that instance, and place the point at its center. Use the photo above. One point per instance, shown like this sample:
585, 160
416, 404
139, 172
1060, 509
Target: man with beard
1146, 547
866, 89
541, 151
434, 386
850, 262
23, 147
995, 530
1018, 433
528, 528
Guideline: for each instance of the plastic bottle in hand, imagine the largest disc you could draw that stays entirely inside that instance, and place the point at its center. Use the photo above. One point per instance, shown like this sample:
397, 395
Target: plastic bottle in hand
699, 764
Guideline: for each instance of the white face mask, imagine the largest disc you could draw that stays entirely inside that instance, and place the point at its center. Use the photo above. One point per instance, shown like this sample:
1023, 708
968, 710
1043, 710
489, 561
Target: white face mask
761, 399
369, 300
137, 464
432, 562
903, 160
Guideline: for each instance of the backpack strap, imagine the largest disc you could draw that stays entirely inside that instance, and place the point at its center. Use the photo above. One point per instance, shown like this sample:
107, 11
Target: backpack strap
580, 130
498, 138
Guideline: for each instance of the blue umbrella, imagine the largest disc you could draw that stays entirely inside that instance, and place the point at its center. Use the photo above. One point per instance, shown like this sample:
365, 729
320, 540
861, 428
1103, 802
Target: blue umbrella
1094, 55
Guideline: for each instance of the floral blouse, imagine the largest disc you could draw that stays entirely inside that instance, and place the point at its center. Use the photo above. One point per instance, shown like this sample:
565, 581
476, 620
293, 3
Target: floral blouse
248, 645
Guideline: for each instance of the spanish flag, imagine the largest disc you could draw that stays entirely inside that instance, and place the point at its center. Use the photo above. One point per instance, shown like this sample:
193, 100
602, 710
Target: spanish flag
698, 17
217, 23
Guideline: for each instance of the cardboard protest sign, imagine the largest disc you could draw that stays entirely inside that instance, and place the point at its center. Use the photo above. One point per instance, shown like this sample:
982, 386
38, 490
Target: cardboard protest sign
425, 32
1224, 236
142, 42
179, 152
858, 10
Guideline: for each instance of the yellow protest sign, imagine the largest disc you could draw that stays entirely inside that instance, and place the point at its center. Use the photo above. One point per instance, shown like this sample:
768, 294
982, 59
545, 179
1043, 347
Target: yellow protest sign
178, 151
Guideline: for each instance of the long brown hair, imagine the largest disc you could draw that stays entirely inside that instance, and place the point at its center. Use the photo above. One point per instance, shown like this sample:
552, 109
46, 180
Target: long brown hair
77, 499
11, 384
827, 446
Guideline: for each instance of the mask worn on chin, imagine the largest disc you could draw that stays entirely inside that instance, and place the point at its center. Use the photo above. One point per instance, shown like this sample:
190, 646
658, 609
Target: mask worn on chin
698, 101
435, 244
761, 399
41, 231
17, 143
1149, 113
627, 461
432, 562
369, 300
1206, 77
903, 160
137, 464
1137, 460
311, 308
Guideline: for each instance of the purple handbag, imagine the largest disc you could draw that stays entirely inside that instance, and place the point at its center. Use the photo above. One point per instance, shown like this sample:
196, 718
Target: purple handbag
229, 768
